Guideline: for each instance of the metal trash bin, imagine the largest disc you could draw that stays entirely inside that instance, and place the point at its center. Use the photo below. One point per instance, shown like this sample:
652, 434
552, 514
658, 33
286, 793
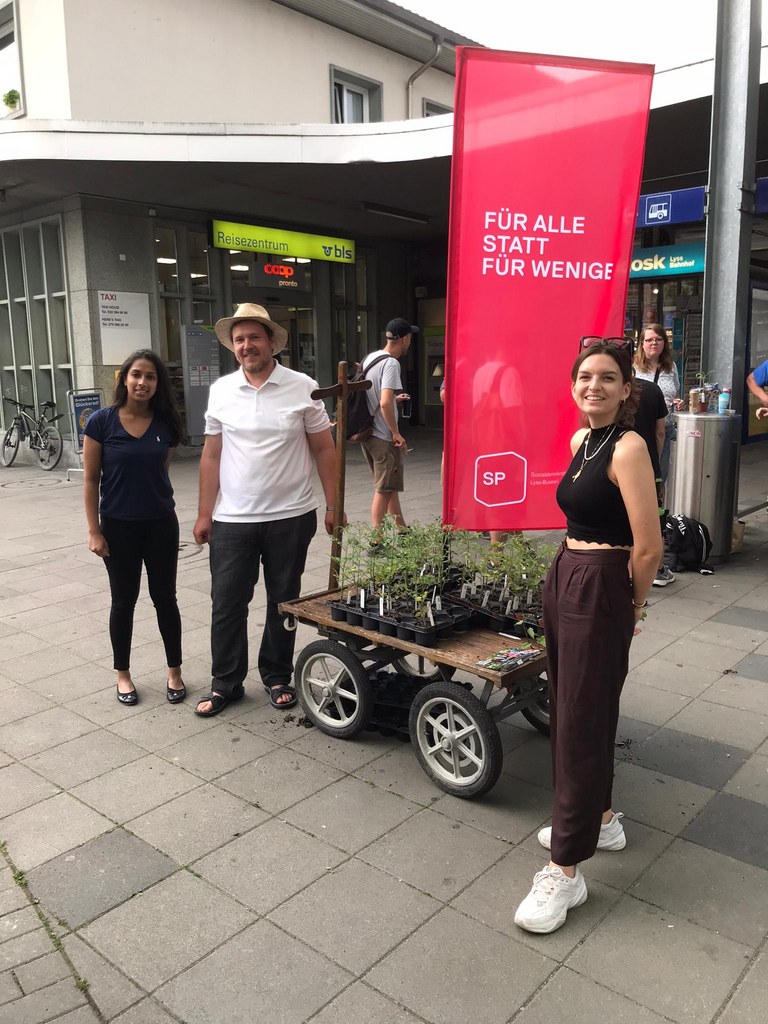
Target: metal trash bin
703, 474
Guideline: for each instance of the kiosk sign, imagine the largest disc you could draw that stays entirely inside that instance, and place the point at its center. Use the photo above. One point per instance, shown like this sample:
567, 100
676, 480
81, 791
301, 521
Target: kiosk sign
536, 260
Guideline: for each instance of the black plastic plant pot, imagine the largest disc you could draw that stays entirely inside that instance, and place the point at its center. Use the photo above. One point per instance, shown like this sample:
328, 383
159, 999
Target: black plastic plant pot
388, 627
461, 619
404, 632
354, 617
371, 622
426, 636
338, 611
444, 625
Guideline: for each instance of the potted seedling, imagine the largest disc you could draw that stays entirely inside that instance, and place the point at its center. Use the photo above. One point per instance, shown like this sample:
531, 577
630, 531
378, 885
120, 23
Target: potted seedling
11, 99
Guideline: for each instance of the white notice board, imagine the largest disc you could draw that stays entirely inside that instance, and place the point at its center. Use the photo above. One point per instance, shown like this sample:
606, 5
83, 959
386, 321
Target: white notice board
124, 320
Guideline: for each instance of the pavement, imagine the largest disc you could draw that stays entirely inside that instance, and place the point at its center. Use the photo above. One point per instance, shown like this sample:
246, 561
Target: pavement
159, 867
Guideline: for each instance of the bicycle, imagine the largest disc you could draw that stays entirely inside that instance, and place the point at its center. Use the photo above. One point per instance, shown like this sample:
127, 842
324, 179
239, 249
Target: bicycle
40, 435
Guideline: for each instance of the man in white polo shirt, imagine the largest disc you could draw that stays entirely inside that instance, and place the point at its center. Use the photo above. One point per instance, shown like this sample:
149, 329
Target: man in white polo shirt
262, 431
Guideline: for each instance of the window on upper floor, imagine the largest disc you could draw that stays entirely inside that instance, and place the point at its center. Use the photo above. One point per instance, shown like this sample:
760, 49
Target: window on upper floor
10, 67
429, 108
354, 98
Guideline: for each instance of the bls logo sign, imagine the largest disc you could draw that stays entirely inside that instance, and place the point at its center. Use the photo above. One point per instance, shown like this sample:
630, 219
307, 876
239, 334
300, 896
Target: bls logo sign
338, 252
281, 269
501, 479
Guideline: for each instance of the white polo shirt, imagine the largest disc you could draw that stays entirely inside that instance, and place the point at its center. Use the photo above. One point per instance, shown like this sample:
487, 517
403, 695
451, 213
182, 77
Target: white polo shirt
266, 465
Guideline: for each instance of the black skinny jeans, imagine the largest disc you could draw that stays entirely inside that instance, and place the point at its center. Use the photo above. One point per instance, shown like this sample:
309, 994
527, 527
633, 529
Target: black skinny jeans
236, 550
155, 542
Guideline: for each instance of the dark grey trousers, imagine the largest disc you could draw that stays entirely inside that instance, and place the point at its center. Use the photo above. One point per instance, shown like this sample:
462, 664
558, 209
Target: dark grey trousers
236, 551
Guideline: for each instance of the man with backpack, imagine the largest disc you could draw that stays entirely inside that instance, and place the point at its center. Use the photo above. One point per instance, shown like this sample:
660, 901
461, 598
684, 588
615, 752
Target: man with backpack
385, 447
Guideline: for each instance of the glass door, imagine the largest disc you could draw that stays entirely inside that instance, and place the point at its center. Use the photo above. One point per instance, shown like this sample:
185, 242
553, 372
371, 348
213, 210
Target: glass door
301, 351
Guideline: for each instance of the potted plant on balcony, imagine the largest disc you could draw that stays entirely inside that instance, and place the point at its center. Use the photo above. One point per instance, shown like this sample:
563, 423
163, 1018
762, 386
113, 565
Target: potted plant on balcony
11, 99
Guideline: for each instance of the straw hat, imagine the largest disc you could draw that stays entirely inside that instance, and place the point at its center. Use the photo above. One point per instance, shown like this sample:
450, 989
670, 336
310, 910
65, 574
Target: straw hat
250, 311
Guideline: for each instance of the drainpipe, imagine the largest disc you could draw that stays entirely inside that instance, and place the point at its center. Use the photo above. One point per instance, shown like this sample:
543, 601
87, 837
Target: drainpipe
420, 71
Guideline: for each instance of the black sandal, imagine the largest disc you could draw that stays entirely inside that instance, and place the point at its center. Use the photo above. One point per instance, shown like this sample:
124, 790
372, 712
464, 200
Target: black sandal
175, 696
128, 698
218, 703
277, 692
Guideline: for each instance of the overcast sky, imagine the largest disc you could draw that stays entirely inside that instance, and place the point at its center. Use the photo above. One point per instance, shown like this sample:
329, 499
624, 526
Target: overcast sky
667, 33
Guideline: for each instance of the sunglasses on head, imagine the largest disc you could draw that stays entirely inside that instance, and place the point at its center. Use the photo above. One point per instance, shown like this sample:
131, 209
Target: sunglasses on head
593, 339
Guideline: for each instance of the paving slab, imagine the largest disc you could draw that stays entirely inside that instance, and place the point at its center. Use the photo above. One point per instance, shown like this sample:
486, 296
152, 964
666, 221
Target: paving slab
754, 666
346, 755
83, 884
103, 708
435, 854
49, 828
743, 617
676, 968
12, 899
510, 811
82, 759
495, 896
359, 1002
162, 726
569, 998
722, 724
9, 989
18, 702
751, 781
710, 889
751, 997
44, 1004
164, 930
20, 788
454, 970
45, 971
658, 800
268, 865
135, 788
197, 822
399, 772
216, 751
650, 704
701, 654
734, 826
685, 756
146, 1012
278, 779
686, 680
355, 914
738, 692
727, 635
286, 980
350, 813
41, 731
109, 988
31, 669
18, 923
24, 949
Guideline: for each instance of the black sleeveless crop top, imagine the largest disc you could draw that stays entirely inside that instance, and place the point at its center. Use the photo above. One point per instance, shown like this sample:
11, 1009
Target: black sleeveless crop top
592, 503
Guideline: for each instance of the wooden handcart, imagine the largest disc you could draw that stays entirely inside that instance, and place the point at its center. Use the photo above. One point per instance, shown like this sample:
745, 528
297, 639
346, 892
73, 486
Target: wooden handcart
355, 679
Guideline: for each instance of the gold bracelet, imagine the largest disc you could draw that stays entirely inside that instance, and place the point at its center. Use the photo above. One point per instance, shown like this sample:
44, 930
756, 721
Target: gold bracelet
639, 606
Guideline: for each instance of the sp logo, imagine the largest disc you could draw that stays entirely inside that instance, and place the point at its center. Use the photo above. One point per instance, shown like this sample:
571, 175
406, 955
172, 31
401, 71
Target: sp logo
501, 479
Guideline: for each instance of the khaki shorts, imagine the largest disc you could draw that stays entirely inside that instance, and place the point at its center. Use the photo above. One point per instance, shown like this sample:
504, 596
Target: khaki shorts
386, 463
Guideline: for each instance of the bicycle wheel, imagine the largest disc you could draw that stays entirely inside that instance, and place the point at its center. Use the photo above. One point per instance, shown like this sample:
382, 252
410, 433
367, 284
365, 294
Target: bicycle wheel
51, 448
10, 445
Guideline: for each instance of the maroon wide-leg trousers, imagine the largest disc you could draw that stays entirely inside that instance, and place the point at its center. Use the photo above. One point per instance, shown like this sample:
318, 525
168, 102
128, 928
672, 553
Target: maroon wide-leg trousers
588, 621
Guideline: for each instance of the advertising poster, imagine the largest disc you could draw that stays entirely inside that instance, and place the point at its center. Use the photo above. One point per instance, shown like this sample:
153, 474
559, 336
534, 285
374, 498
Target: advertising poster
547, 159
124, 321
82, 405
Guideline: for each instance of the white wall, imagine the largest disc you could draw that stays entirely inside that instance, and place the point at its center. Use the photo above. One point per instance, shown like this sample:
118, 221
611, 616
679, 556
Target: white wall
249, 61
44, 58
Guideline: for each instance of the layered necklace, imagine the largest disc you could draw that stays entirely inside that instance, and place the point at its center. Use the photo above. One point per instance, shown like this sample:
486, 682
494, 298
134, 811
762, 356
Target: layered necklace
588, 458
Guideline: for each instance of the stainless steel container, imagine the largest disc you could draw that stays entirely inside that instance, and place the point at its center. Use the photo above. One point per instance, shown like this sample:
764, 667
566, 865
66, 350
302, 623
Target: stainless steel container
704, 472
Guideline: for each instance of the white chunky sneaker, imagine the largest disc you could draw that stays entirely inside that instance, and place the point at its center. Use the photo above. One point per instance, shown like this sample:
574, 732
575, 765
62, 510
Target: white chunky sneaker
546, 906
612, 835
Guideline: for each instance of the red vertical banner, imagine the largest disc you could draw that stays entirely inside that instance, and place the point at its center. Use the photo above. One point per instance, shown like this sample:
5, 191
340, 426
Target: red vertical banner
547, 160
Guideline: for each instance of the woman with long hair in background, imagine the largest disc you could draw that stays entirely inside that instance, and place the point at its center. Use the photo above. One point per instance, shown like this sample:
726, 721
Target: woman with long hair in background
653, 361
129, 508
591, 610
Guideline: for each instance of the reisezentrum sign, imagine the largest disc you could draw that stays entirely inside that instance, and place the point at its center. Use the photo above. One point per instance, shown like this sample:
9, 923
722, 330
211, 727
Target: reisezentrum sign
276, 241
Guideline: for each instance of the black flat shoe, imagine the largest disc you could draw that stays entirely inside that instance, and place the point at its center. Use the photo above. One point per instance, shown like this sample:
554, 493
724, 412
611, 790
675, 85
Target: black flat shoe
218, 703
128, 698
279, 691
175, 696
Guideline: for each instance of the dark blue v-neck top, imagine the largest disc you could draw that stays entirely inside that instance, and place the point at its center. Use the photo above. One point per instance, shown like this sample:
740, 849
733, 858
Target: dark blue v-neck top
134, 481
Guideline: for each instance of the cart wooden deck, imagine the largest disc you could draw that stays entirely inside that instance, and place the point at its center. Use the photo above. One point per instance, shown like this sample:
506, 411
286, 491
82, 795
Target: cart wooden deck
462, 651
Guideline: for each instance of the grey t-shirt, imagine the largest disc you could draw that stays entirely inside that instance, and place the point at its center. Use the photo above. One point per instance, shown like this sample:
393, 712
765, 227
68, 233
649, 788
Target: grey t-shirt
385, 374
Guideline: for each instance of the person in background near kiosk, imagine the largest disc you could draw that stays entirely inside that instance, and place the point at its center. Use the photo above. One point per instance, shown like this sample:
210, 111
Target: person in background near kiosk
651, 425
385, 448
126, 452
591, 609
756, 382
654, 362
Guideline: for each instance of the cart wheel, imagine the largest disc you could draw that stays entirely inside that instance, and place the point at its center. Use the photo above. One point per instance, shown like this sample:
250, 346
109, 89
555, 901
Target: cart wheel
334, 688
455, 739
538, 714
419, 667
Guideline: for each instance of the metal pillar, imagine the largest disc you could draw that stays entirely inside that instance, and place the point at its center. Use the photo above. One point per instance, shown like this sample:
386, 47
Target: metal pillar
731, 194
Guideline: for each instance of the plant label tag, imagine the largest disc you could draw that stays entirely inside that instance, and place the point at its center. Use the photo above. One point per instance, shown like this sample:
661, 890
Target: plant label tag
438, 603
431, 616
508, 610
529, 597
362, 597
516, 603
381, 606
486, 595
464, 588
473, 589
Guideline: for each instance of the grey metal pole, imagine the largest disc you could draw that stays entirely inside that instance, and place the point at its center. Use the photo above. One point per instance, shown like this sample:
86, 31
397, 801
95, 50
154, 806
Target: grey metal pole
731, 194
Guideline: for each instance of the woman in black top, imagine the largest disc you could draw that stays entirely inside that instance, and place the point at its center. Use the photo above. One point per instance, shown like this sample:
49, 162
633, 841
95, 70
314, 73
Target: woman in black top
126, 452
591, 609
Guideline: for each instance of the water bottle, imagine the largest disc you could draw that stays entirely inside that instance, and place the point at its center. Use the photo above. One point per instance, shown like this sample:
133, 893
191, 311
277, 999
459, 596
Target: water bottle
723, 401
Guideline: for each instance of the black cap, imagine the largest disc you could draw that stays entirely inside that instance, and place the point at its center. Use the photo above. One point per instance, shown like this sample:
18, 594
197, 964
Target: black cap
399, 327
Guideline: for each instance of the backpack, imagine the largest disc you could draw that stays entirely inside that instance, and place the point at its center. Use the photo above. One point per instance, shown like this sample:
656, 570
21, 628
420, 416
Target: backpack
687, 544
359, 416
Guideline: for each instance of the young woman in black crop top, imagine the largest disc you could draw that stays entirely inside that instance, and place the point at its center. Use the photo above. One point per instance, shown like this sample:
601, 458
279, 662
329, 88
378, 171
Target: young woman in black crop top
591, 610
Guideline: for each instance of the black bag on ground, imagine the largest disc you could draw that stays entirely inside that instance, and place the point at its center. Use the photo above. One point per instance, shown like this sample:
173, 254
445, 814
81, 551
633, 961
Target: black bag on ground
687, 544
359, 417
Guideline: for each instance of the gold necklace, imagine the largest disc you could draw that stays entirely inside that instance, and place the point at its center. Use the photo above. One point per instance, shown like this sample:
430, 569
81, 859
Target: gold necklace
588, 458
